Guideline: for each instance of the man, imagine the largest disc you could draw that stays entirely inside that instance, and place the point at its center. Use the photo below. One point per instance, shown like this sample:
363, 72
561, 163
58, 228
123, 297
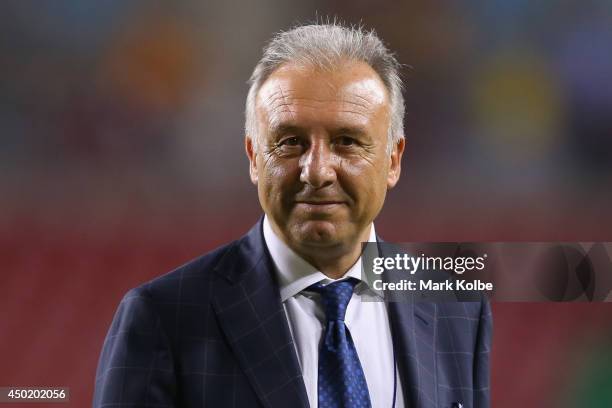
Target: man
281, 317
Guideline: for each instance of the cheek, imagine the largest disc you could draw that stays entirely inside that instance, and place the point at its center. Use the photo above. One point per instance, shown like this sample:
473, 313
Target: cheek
277, 177
364, 179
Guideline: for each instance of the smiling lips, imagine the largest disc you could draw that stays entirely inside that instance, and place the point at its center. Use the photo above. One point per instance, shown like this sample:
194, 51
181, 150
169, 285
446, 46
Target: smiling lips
326, 202
319, 206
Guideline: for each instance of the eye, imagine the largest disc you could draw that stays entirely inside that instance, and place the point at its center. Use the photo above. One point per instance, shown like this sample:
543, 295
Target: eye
346, 141
290, 145
290, 141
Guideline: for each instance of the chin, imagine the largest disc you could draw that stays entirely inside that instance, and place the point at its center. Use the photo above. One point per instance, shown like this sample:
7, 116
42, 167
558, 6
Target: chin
319, 233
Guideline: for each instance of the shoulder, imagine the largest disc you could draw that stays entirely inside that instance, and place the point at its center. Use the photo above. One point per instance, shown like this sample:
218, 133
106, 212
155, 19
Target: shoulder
171, 303
469, 310
147, 328
187, 283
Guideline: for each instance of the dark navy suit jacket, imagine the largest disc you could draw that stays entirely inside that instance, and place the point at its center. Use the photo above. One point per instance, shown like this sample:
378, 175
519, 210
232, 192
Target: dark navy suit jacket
213, 333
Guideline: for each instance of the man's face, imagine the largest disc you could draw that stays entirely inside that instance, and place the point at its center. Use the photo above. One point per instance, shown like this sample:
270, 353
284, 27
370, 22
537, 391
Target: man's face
321, 164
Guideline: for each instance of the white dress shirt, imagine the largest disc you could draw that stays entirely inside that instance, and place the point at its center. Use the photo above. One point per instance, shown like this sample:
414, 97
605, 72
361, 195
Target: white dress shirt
366, 319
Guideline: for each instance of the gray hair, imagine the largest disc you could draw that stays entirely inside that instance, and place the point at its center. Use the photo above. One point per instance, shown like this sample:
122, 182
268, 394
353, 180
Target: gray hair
326, 46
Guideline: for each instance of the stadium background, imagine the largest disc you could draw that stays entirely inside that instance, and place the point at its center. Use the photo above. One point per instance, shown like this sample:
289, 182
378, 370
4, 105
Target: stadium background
121, 157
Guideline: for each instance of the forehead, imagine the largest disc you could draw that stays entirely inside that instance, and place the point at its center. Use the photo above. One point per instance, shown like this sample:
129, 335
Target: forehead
352, 94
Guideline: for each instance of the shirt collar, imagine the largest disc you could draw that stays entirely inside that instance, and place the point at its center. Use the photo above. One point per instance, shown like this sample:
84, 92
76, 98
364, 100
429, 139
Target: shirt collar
294, 273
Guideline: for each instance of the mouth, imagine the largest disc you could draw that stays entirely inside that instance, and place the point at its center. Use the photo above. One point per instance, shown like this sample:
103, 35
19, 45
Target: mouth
319, 206
326, 202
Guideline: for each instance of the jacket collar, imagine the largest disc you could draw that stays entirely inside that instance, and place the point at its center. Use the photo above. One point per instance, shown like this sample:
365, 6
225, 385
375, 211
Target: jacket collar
250, 313
413, 329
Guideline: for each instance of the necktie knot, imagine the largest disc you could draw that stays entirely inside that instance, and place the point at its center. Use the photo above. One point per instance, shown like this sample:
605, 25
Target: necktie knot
335, 297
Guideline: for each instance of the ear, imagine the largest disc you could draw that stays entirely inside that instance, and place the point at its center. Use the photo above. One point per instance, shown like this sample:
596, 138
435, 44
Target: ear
252, 155
395, 168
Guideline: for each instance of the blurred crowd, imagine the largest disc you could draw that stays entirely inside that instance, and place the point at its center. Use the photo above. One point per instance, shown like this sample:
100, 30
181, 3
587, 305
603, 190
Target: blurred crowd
110, 105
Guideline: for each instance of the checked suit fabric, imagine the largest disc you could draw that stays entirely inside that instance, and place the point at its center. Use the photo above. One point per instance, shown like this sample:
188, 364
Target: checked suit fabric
213, 333
341, 381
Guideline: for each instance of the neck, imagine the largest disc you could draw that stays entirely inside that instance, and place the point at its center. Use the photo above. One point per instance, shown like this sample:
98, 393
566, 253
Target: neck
333, 260
333, 263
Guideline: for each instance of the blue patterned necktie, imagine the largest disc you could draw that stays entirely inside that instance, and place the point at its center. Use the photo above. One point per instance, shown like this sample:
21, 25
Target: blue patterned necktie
342, 383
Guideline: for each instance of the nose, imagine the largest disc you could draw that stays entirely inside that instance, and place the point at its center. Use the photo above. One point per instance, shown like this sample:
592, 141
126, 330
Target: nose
318, 165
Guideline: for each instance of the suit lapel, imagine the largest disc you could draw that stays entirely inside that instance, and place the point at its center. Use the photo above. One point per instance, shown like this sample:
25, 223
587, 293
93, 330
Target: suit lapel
250, 313
413, 329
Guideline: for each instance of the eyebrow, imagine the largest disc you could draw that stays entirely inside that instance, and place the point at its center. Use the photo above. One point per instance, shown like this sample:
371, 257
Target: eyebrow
282, 128
288, 128
351, 130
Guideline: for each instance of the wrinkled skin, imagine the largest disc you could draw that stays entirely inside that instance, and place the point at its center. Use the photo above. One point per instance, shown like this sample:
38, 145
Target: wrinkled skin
320, 163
